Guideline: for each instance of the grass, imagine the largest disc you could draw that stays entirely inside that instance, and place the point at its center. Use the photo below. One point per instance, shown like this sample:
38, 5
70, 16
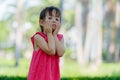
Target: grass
70, 71
7, 68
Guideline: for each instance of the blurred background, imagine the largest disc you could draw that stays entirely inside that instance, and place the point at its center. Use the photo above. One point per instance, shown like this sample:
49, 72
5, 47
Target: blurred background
91, 31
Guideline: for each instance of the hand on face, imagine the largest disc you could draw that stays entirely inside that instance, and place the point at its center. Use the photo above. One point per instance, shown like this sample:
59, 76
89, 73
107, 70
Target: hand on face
47, 27
57, 29
52, 23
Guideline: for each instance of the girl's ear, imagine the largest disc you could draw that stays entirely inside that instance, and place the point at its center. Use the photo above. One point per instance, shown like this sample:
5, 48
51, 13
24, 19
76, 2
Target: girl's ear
41, 22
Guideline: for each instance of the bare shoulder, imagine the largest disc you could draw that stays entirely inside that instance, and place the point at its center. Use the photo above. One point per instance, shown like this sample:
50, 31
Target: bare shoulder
37, 36
39, 41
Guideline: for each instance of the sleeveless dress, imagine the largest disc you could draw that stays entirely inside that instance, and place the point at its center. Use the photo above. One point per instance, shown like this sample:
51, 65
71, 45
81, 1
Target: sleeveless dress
43, 66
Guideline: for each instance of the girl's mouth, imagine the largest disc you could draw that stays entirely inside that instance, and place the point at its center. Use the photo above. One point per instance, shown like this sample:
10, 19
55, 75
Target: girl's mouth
53, 25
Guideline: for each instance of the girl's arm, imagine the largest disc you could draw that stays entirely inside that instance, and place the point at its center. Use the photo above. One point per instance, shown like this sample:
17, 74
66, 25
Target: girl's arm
49, 47
59, 46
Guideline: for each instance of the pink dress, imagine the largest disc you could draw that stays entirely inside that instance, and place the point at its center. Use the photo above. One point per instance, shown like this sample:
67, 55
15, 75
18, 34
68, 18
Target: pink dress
43, 66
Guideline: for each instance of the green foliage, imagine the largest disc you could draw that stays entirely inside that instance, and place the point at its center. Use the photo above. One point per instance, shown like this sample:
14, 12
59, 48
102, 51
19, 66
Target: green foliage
50, 3
9, 50
104, 54
32, 15
68, 51
12, 78
69, 17
4, 31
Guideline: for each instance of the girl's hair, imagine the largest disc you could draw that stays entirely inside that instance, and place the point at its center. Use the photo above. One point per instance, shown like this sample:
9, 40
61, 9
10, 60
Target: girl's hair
49, 10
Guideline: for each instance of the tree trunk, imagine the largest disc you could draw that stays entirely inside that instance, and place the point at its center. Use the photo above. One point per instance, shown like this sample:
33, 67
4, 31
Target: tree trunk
79, 48
18, 39
109, 19
117, 23
84, 16
98, 11
93, 43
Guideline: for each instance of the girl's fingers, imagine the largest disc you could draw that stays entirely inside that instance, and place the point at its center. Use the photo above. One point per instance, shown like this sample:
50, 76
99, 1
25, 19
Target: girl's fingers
48, 24
58, 25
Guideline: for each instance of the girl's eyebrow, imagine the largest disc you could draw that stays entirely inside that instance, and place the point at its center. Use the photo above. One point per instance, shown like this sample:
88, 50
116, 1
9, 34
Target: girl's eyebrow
57, 17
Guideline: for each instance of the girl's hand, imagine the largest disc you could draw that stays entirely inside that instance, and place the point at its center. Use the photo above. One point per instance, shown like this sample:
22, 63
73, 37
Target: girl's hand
57, 29
47, 27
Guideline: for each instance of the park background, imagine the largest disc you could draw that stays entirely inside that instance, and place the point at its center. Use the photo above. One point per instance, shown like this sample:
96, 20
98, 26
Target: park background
91, 31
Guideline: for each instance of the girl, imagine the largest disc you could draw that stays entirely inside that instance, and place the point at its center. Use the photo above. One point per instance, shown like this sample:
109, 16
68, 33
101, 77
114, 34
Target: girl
48, 47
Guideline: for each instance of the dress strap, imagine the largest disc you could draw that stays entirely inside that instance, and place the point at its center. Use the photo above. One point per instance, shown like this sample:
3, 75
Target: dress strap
39, 33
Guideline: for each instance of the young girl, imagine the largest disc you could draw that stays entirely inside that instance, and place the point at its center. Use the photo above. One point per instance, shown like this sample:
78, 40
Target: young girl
48, 47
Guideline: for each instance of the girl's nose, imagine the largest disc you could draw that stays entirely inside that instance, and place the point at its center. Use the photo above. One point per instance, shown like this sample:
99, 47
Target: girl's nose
53, 20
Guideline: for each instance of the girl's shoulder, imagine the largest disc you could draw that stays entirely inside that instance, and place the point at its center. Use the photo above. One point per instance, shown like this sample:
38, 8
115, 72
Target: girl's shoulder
40, 34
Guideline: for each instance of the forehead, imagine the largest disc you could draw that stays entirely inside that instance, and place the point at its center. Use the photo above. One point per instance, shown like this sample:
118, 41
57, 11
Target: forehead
53, 12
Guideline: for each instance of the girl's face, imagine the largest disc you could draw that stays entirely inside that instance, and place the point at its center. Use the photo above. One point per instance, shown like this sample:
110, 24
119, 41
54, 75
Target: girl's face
55, 21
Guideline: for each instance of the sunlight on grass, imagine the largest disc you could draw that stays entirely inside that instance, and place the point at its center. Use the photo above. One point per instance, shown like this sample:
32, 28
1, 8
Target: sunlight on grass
70, 69
7, 68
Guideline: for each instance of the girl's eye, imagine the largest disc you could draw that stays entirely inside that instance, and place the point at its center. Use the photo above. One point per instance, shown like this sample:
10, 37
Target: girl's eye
57, 19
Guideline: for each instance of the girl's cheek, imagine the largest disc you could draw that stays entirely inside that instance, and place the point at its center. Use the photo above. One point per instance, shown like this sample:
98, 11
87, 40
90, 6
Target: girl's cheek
58, 24
46, 19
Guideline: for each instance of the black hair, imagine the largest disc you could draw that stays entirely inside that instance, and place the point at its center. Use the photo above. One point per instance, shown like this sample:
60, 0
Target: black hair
49, 10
